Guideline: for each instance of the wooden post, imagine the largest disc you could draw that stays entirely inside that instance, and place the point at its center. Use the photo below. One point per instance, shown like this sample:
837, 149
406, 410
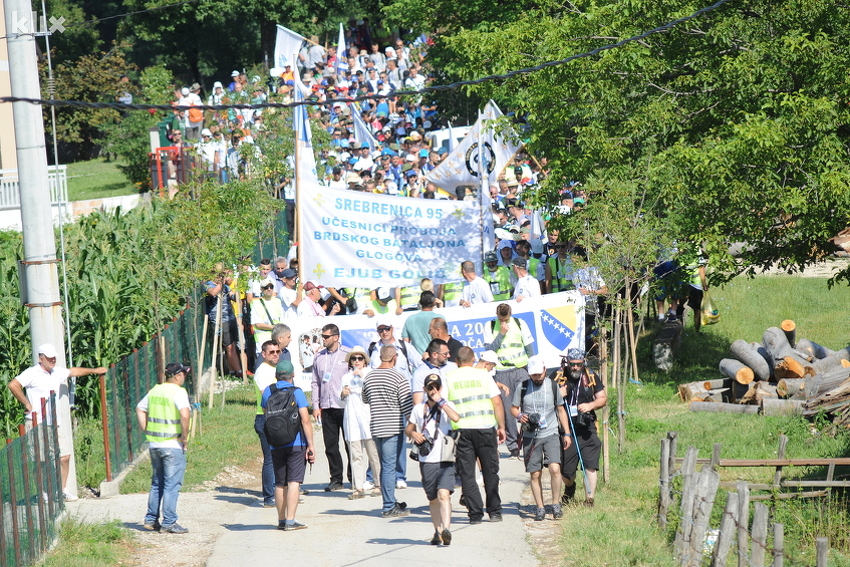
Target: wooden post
686, 506
727, 531
664, 484
715, 455
759, 534
632, 338
104, 418
822, 545
673, 436
778, 545
217, 330
780, 454
606, 411
743, 522
709, 481
201, 353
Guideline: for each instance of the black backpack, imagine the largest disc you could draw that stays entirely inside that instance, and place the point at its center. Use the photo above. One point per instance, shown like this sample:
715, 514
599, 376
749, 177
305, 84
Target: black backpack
283, 420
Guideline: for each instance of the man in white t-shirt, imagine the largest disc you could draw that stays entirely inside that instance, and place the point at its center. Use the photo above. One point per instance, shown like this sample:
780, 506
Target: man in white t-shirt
475, 289
526, 285
39, 382
290, 297
264, 376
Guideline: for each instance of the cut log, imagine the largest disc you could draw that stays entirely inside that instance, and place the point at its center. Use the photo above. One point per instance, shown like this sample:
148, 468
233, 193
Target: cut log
738, 391
692, 391
791, 388
831, 362
771, 406
813, 349
744, 351
823, 383
715, 384
761, 391
722, 408
736, 370
789, 327
764, 354
779, 349
791, 367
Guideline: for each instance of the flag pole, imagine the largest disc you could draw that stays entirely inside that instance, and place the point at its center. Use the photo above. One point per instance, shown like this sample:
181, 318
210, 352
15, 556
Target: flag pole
298, 200
481, 199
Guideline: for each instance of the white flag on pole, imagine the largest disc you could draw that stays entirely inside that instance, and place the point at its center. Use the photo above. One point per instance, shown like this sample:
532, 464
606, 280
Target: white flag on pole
306, 164
341, 57
286, 47
461, 166
361, 130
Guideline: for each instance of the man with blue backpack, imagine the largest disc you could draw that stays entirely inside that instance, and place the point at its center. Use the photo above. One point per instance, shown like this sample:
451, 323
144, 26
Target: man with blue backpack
290, 436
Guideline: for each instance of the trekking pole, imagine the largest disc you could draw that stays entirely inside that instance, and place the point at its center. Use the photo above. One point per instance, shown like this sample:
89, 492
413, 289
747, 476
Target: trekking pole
578, 451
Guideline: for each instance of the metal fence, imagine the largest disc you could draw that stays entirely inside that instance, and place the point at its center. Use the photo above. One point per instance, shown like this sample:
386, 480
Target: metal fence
30, 493
10, 196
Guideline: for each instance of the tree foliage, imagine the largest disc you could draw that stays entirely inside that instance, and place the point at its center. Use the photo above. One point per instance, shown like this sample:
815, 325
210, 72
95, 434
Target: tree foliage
732, 125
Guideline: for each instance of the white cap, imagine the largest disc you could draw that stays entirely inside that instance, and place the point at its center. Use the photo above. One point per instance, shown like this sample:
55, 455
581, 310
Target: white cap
490, 356
206, 132
47, 350
234, 74
184, 91
384, 293
410, 157
266, 281
536, 365
384, 322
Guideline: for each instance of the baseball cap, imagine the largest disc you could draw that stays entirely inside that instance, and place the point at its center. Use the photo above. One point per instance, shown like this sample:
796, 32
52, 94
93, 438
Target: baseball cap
206, 132
490, 356
184, 91
47, 350
234, 74
173, 368
311, 285
574, 354
383, 322
288, 273
490, 256
284, 367
384, 294
520, 262
410, 157
536, 365
432, 380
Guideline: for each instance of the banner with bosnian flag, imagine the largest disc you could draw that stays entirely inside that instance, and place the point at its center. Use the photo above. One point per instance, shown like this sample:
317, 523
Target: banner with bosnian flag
341, 55
286, 47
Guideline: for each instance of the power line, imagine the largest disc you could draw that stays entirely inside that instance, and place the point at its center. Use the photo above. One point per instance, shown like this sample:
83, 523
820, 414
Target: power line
329, 102
94, 21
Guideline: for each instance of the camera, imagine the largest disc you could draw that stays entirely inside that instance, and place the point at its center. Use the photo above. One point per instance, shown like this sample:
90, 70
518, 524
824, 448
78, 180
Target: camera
585, 419
425, 447
533, 422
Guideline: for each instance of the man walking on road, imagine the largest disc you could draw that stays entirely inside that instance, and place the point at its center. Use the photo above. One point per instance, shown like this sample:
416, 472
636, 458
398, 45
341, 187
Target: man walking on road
539, 407
482, 427
163, 414
388, 394
329, 367
264, 376
290, 460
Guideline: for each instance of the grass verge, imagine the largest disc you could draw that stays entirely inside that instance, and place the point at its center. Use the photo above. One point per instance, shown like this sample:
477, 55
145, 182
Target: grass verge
228, 438
625, 515
90, 545
97, 179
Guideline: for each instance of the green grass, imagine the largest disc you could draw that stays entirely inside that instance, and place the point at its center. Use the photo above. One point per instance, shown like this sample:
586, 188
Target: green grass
90, 545
228, 439
625, 515
97, 179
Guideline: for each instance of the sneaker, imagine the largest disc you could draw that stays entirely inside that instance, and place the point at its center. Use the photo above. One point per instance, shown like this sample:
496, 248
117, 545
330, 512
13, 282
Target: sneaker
497, 517
294, 525
304, 492
281, 524
540, 515
556, 511
174, 528
515, 454
69, 497
333, 485
436, 540
400, 485
589, 502
447, 537
269, 504
395, 512
152, 526
569, 494
402, 505
368, 485
357, 495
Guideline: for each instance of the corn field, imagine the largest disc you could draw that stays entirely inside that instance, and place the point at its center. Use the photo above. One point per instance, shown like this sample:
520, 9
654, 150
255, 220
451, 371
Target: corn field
128, 274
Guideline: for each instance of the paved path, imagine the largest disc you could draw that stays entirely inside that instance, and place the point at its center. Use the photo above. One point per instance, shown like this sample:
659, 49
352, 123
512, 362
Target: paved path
228, 527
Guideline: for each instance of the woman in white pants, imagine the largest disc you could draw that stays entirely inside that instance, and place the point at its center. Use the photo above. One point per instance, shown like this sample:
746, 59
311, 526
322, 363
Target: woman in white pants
355, 424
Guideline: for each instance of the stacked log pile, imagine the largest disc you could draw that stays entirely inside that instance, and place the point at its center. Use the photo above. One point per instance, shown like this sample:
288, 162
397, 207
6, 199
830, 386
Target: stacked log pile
780, 375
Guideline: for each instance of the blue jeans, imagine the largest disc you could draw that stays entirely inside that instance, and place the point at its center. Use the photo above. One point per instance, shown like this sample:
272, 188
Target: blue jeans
389, 451
168, 468
268, 466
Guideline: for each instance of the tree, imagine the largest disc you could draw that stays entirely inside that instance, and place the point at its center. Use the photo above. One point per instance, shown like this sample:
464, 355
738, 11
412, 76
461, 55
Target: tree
732, 125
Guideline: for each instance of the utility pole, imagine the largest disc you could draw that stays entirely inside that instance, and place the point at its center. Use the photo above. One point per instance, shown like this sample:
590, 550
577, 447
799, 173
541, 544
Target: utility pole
41, 279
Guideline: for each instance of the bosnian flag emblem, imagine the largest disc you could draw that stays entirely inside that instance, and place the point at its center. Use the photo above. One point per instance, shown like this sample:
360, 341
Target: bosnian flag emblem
559, 325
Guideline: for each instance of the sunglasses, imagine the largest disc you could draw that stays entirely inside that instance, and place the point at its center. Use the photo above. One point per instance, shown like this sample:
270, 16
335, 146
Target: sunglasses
383, 329
575, 364
270, 286
272, 352
326, 337
357, 358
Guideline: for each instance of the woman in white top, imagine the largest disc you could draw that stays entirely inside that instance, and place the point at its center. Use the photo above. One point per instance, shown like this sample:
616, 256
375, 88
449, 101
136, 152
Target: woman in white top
355, 424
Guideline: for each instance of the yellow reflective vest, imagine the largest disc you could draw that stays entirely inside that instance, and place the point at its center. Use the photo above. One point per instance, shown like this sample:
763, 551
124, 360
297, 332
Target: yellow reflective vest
469, 391
500, 283
562, 274
410, 297
512, 351
163, 415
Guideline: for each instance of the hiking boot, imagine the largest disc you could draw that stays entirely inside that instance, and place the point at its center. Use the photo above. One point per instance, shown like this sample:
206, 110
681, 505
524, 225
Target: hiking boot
588, 502
357, 495
556, 512
447, 537
436, 540
395, 512
333, 485
540, 515
569, 494
152, 526
174, 528
294, 525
